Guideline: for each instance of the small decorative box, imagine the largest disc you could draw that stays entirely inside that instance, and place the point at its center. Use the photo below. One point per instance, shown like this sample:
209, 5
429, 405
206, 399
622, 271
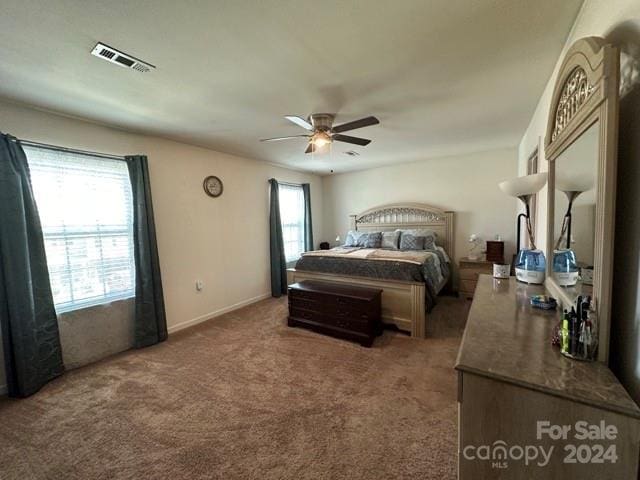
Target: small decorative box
501, 270
543, 302
587, 275
495, 251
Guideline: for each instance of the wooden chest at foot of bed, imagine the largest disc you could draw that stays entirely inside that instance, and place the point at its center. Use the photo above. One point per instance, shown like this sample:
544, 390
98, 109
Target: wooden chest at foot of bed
343, 311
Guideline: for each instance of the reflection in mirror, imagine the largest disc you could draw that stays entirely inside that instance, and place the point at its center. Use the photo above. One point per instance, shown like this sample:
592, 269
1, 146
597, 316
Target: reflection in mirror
575, 212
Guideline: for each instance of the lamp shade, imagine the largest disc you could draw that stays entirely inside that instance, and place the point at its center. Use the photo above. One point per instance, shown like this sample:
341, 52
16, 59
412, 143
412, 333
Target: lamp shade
523, 186
574, 183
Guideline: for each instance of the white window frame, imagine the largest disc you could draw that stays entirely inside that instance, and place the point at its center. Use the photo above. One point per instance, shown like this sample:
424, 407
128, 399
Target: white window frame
288, 193
65, 234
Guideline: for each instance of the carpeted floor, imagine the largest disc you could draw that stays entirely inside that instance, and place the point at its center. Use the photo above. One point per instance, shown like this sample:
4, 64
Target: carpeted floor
246, 397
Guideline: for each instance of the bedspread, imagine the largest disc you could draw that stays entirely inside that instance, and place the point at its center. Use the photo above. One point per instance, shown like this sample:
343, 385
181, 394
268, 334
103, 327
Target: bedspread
428, 266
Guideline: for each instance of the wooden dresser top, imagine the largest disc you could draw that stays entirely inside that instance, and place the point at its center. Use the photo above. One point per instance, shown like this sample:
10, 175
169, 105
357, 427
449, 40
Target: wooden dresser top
508, 340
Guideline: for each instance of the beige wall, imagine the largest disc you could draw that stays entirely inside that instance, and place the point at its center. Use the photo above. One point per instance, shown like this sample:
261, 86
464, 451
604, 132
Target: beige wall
224, 242
618, 21
465, 184
604, 18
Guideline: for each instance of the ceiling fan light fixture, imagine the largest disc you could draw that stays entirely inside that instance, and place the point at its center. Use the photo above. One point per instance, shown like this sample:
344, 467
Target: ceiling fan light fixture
321, 131
320, 139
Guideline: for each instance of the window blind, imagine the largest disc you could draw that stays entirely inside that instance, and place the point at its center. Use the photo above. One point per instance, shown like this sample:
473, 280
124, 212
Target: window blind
86, 211
292, 218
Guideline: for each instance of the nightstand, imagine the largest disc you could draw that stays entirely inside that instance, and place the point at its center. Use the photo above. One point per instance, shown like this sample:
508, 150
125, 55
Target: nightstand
469, 271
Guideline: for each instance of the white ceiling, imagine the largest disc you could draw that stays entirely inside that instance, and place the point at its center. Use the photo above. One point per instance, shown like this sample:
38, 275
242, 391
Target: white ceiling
443, 76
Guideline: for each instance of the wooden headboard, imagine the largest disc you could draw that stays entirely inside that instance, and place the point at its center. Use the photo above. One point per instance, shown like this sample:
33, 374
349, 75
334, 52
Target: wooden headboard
406, 216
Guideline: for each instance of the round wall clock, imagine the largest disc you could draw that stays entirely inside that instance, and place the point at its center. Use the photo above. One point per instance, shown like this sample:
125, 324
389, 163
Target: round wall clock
213, 186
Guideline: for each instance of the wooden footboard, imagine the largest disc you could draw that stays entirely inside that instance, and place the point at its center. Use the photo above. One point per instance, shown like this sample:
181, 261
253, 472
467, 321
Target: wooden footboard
403, 303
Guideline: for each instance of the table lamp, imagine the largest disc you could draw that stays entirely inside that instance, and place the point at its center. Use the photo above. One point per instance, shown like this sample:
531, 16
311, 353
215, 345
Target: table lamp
530, 263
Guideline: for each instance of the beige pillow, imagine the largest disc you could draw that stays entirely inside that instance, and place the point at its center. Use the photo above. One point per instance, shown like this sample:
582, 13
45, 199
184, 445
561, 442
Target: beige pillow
390, 240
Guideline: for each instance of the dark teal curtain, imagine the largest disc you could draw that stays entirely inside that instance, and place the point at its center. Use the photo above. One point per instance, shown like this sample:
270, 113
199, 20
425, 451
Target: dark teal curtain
28, 322
150, 317
278, 261
308, 228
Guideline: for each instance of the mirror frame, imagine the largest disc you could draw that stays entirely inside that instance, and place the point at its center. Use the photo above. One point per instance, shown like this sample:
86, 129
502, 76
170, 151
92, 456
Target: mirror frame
594, 67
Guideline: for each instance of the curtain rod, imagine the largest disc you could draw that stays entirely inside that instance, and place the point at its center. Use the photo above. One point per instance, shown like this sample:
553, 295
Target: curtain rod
57, 148
289, 183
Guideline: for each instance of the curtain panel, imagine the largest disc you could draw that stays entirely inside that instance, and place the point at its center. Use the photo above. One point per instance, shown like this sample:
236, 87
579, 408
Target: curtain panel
308, 228
276, 243
28, 322
150, 324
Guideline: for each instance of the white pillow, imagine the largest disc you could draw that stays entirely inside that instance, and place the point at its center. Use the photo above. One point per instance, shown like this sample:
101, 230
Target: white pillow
353, 238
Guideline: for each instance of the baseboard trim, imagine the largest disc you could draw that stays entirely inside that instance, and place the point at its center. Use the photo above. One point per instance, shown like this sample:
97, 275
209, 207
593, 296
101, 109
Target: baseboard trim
216, 313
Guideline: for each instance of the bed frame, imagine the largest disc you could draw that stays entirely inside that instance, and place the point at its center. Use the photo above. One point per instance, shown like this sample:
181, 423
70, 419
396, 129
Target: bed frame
403, 303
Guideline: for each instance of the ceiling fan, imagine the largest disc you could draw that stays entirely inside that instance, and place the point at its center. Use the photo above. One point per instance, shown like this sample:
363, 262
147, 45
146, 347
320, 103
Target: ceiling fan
322, 131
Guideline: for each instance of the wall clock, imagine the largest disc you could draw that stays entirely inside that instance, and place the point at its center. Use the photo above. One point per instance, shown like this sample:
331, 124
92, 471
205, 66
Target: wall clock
213, 186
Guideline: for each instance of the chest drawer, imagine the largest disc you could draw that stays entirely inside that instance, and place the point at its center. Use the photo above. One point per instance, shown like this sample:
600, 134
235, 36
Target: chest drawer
333, 303
471, 274
346, 311
365, 315
322, 318
471, 270
467, 286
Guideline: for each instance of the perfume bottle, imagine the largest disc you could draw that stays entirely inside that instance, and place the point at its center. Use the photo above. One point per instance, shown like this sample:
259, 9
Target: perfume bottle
530, 266
565, 267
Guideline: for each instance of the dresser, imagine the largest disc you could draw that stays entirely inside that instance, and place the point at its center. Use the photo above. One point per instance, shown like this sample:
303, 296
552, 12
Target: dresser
344, 311
469, 271
526, 411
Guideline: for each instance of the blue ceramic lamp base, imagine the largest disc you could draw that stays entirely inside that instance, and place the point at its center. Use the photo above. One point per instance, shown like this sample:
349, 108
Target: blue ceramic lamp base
530, 266
565, 267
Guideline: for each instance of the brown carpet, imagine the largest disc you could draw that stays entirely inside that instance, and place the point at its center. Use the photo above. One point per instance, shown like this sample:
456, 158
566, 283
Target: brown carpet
246, 397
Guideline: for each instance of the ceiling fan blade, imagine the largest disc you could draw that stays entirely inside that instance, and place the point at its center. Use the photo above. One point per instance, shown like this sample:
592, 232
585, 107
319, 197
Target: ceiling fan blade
299, 121
276, 139
311, 148
348, 139
363, 122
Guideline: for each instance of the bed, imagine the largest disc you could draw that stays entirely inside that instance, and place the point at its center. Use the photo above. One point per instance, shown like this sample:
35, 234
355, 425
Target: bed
410, 280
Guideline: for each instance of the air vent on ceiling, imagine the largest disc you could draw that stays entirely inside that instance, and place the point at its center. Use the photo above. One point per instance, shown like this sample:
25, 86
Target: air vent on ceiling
351, 153
120, 58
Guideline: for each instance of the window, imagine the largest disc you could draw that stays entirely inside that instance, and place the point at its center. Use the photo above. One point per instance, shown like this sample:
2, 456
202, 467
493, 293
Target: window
85, 208
292, 218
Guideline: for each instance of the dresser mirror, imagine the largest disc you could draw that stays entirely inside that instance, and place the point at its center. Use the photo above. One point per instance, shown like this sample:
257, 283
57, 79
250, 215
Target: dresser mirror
575, 214
581, 148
